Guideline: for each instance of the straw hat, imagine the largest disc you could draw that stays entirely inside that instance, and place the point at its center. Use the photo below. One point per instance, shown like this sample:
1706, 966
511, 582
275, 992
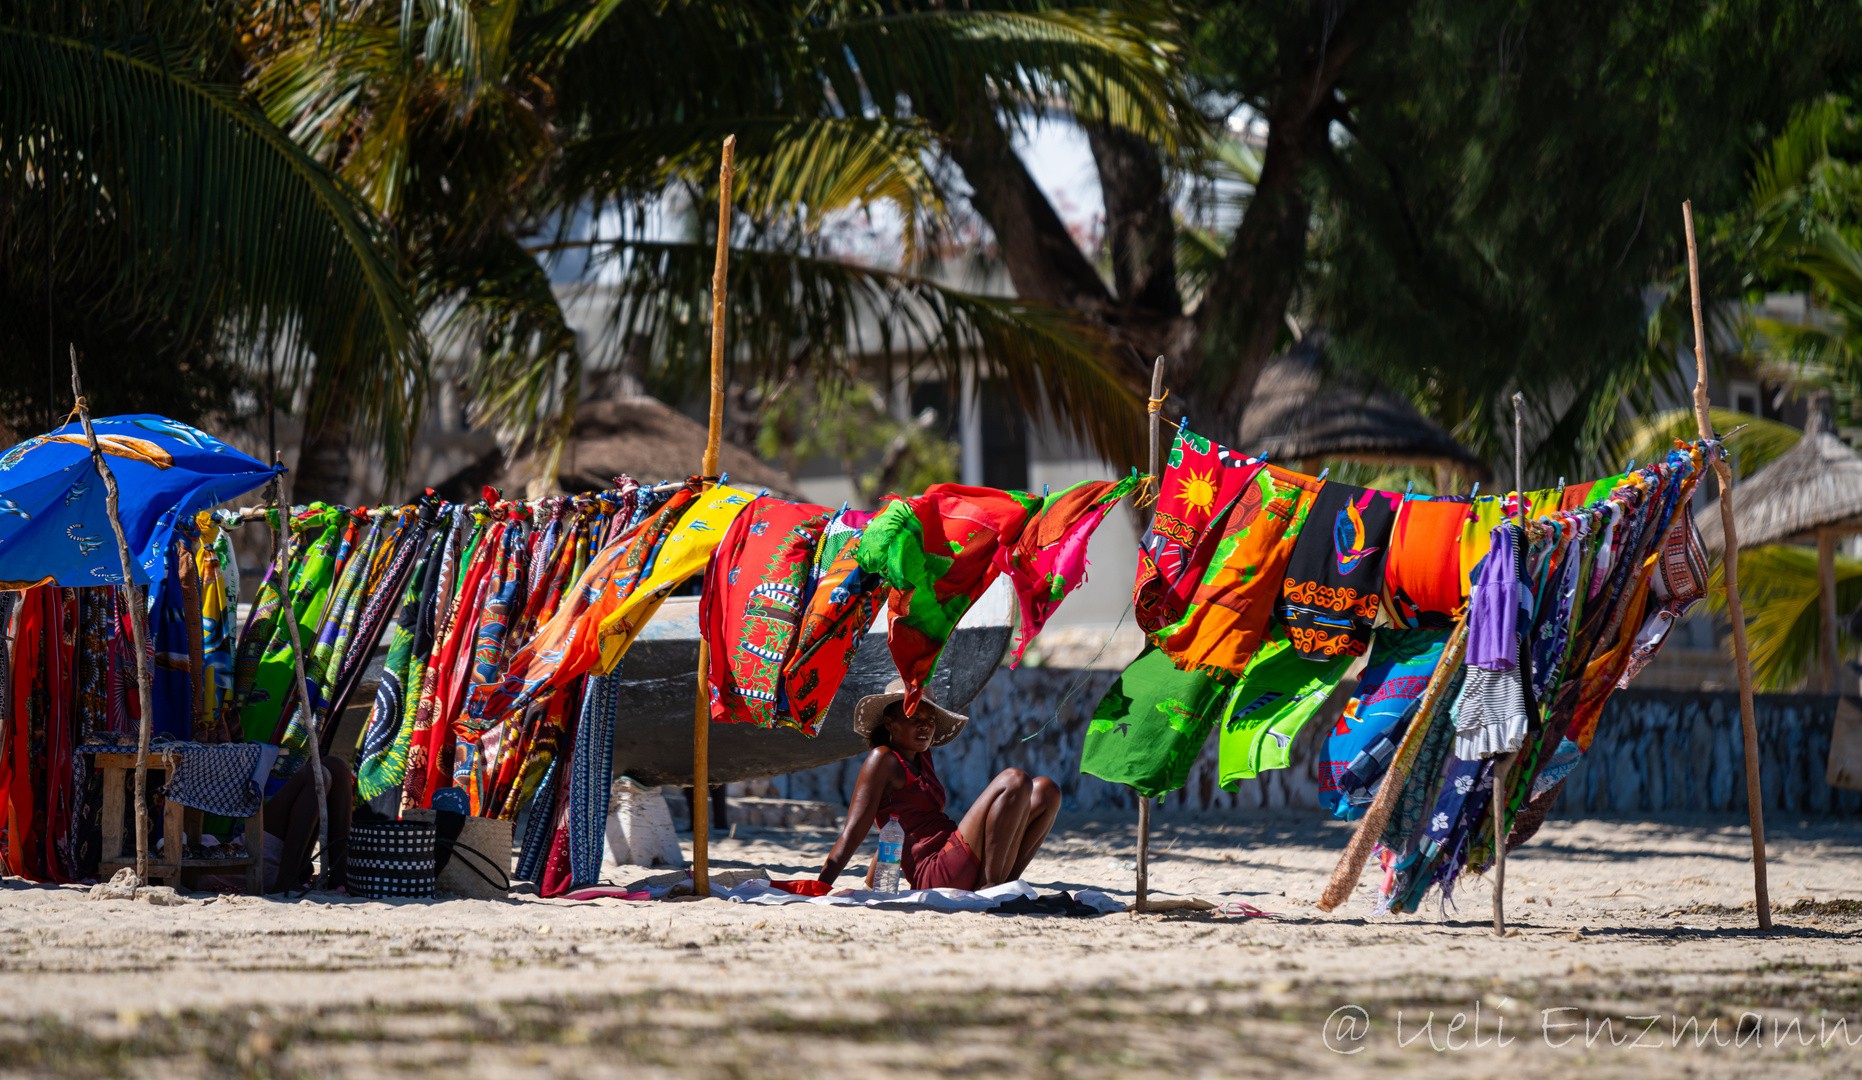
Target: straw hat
867, 714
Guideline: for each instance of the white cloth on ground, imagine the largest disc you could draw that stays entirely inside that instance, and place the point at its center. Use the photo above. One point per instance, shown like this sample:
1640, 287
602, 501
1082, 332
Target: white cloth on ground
761, 892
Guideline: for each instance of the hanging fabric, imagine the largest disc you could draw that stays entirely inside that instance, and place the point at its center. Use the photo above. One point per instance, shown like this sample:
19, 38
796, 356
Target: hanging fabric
1335, 573
938, 552
751, 609
1201, 480
1048, 560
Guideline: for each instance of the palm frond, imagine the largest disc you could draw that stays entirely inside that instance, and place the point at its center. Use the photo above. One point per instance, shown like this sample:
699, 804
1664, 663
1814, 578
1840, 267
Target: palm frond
786, 168
826, 316
1778, 583
191, 178
1761, 443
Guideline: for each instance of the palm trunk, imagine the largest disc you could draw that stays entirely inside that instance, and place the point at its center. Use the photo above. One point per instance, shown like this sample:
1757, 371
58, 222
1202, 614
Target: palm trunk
323, 470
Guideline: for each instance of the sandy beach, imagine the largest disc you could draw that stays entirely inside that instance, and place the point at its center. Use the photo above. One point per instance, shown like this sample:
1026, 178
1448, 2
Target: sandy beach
1612, 921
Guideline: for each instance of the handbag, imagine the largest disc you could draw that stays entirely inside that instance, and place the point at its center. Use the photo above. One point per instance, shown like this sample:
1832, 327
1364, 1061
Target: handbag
462, 865
391, 859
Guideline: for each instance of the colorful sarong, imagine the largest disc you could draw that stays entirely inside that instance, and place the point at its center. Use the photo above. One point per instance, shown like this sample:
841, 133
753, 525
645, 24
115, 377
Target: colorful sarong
1201, 481
1362, 744
684, 552
1335, 576
1229, 610
937, 551
1048, 560
836, 614
752, 605
1277, 694
1152, 723
567, 646
1422, 576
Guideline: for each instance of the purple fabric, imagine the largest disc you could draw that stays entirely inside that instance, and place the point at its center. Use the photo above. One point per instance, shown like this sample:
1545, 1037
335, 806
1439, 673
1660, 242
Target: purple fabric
1493, 605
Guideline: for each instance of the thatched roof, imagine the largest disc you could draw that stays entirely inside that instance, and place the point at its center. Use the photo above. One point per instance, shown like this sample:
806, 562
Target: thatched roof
1301, 413
641, 437
1815, 484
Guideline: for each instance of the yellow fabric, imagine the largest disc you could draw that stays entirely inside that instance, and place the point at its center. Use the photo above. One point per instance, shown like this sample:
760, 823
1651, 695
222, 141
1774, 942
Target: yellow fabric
686, 550
213, 613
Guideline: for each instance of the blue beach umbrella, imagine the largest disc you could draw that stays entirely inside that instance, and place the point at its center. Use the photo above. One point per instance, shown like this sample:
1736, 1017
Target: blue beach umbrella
53, 524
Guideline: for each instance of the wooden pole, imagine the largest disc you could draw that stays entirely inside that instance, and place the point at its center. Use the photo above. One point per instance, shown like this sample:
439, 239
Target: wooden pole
138, 628
1141, 897
281, 537
1504, 764
1371, 827
1735, 610
701, 716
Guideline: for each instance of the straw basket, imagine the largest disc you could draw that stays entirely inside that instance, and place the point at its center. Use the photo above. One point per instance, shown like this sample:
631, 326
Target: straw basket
479, 864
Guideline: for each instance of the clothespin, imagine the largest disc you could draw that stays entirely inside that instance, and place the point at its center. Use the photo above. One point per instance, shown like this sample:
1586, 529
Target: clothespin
1325, 472
1476, 493
1410, 490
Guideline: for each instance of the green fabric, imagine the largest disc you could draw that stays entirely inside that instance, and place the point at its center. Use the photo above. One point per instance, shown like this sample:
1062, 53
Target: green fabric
1277, 694
1152, 723
313, 572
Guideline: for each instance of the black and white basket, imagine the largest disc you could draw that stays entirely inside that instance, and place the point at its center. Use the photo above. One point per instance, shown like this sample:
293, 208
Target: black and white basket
391, 858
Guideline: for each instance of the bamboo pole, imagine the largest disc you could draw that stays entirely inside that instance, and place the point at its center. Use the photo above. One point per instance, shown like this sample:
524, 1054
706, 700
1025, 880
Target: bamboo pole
1142, 889
1371, 828
281, 537
138, 628
1504, 764
1735, 610
701, 716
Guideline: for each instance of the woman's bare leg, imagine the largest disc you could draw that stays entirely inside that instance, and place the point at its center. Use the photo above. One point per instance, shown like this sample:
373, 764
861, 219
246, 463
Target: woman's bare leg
1043, 807
994, 825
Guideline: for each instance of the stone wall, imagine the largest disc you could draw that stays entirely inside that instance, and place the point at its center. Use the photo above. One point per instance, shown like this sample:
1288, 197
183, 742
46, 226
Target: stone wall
1656, 751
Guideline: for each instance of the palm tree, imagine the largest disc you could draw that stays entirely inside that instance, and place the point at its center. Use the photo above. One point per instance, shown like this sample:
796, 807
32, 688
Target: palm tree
160, 221
485, 131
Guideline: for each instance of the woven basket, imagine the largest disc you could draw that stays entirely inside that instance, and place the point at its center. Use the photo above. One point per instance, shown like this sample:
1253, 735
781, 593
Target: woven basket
480, 866
391, 858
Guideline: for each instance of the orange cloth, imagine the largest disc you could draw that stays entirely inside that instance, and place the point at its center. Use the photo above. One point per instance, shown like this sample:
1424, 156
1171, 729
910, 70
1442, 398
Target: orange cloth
1227, 617
1422, 577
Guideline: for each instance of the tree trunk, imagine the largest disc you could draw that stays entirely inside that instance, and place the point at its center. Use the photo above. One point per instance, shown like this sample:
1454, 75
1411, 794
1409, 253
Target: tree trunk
1140, 227
1216, 355
322, 472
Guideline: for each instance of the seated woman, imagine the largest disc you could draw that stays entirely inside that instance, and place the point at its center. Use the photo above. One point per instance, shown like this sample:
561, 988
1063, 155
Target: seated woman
997, 837
291, 827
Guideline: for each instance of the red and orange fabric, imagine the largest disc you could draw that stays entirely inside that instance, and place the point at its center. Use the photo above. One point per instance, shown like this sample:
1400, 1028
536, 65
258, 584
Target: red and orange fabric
1202, 479
1048, 560
937, 550
751, 609
1422, 577
841, 603
568, 645
1229, 610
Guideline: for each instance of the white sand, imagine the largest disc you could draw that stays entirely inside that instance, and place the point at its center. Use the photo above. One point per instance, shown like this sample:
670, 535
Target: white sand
1617, 919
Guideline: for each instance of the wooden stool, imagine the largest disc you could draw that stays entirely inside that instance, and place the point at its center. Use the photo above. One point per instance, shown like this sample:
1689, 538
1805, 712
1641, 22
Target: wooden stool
169, 865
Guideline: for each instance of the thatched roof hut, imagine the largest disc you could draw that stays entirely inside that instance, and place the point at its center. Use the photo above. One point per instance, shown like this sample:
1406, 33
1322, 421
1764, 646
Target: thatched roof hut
1301, 413
1816, 484
642, 437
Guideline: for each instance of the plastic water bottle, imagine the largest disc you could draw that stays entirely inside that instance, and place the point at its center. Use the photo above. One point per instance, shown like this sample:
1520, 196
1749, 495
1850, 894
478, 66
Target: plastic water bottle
891, 850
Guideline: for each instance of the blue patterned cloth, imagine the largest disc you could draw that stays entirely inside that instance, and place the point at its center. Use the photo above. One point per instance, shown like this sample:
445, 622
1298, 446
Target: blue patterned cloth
591, 777
53, 525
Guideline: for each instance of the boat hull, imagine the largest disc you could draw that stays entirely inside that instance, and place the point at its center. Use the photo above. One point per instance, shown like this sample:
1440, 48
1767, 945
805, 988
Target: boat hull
659, 697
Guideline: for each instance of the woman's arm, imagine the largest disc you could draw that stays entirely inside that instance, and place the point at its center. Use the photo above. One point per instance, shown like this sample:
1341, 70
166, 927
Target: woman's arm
878, 777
